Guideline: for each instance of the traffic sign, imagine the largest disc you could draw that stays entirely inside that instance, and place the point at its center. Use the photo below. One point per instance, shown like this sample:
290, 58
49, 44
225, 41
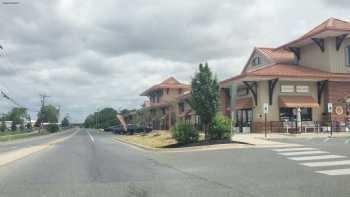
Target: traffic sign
330, 107
266, 108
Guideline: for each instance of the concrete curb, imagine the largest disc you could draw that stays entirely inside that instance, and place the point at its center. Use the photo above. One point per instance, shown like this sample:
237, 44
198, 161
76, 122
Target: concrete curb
239, 145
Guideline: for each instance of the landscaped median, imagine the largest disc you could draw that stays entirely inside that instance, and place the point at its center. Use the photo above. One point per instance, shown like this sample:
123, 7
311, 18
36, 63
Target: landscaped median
163, 140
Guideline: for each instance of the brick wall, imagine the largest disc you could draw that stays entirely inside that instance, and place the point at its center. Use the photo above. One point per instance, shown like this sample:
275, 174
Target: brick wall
335, 92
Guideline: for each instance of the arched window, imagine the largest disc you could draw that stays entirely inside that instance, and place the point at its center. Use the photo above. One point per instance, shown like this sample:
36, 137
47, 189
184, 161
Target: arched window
347, 55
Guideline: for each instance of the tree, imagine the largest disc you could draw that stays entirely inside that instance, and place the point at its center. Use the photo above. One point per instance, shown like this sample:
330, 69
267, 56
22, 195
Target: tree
65, 122
3, 126
17, 115
102, 119
205, 96
47, 114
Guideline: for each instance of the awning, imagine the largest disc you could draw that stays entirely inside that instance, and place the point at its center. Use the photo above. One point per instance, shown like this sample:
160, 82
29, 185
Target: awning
297, 101
244, 103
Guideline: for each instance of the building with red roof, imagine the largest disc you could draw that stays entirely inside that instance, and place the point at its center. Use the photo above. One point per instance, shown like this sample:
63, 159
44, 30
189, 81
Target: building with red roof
296, 81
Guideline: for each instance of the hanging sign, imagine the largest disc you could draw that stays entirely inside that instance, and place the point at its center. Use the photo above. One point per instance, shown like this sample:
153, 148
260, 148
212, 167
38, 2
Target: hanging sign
339, 110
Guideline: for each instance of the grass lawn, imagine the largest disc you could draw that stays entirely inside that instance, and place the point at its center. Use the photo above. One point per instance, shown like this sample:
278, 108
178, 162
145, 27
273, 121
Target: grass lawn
14, 135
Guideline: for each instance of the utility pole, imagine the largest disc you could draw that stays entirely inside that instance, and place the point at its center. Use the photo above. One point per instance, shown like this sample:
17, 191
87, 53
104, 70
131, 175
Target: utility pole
43, 98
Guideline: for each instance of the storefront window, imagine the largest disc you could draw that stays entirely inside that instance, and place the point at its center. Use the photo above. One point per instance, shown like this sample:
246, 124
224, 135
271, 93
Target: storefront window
290, 114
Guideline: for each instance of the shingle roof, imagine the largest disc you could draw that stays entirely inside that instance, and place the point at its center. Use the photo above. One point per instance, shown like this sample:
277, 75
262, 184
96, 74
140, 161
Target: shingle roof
170, 83
331, 24
289, 70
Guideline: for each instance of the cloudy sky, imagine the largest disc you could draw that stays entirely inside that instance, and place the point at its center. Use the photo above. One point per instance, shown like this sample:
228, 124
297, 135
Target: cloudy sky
89, 54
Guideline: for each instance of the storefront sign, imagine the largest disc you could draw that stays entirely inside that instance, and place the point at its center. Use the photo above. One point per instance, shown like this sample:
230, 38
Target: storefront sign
339, 110
287, 88
302, 88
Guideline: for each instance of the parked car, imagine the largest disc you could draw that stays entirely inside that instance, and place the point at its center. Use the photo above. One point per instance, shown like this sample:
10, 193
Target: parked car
115, 129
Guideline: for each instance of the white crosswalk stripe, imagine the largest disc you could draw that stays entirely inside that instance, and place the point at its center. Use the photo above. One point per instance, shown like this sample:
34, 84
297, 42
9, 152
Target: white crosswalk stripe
315, 158
335, 172
293, 149
303, 153
318, 157
327, 163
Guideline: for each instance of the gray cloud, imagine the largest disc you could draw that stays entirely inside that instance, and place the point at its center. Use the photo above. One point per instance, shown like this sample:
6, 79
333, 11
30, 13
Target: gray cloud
91, 54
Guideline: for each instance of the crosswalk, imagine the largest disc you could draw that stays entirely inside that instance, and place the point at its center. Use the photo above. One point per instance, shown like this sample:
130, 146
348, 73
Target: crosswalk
315, 158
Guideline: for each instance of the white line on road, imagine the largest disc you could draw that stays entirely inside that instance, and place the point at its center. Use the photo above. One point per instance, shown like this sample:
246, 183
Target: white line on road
345, 171
303, 153
327, 163
292, 149
326, 140
91, 138
319, 157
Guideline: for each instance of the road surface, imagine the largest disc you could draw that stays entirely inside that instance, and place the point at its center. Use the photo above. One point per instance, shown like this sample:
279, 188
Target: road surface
92, 164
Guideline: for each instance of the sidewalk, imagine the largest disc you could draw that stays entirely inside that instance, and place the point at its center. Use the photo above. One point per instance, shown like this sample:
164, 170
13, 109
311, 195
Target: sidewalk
259, 140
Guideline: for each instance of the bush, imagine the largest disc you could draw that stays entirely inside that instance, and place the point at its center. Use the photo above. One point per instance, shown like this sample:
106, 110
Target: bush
52, 128
184, 133
220, 128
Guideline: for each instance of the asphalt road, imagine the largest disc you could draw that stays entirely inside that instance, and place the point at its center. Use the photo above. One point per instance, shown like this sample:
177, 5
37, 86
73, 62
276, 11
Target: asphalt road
98, 166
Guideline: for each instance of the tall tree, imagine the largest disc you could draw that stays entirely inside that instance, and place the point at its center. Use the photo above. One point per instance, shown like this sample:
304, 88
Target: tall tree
205, 96
17, 115
102, 119
48, 114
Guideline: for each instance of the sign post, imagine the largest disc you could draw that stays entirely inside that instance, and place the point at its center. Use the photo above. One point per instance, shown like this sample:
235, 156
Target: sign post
266, 110
330, 110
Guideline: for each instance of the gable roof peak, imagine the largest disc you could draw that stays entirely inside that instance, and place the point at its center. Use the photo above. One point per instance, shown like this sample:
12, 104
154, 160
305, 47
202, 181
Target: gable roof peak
170, 80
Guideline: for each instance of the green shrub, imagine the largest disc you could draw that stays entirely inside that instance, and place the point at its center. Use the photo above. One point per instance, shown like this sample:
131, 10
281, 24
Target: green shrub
52, 128
184, 133
220, 128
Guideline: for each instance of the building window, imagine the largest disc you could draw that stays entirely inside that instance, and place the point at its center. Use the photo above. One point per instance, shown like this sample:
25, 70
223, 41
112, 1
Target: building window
167, 91
256, 61
180, 91
347, 55
290, 114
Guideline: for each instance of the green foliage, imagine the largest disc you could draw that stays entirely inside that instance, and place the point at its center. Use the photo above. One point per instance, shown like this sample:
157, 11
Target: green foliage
65, 122
205, 95
21, 127
105, 118
220, 128
29, 125
52, 128
13, 126
3, 127
17, 115
48, 113
184, 133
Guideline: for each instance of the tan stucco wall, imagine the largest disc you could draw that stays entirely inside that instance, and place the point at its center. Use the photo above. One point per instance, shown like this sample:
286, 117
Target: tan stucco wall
338, 58
312, 56
330, 60
173, 93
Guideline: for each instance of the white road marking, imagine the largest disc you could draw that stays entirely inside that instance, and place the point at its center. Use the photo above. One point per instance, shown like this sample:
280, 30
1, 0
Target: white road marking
326, 140
91, 138
318, 157
335, 172
327, 163
303, 153
292, 149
